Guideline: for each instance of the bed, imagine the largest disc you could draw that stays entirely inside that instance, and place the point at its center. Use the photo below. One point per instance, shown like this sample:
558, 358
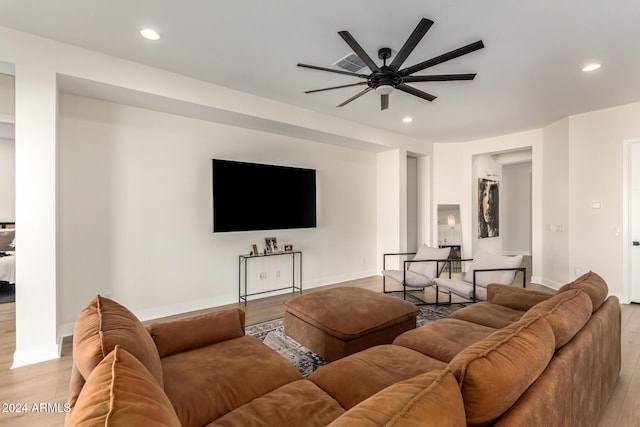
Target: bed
8, 269
7, 253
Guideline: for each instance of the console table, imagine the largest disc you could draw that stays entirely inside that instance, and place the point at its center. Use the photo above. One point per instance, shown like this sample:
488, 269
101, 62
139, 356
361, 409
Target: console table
243, 260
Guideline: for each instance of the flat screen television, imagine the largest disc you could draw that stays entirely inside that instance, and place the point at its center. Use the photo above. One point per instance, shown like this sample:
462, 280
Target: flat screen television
252, 196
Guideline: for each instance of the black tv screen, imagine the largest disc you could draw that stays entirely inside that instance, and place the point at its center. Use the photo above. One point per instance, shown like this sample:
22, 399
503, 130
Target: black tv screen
251, 196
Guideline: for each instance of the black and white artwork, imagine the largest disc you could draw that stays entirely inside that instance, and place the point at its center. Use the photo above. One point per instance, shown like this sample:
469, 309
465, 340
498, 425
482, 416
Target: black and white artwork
488, 203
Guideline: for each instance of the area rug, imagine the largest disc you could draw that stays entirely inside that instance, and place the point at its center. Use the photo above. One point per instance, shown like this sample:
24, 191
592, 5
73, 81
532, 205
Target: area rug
272, 334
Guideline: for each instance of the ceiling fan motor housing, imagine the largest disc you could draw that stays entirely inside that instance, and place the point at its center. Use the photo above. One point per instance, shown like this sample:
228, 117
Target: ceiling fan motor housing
385, 77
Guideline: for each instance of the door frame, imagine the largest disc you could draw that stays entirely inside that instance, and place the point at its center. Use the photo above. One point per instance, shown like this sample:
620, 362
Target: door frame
626, 219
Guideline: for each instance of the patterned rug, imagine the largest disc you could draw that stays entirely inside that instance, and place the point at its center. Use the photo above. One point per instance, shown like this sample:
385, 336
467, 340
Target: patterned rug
272, 334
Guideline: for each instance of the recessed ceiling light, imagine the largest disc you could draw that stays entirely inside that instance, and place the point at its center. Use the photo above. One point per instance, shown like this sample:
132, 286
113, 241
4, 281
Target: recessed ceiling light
407, 120
150, 34
591, 67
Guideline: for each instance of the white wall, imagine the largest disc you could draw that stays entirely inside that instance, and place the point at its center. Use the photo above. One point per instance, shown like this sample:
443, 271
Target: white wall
424, 200
555, 250
451, 169
515, 216
596, 175
7, 94
7, 180
391, 203
40, 65
136, 209
412, 204
455, 181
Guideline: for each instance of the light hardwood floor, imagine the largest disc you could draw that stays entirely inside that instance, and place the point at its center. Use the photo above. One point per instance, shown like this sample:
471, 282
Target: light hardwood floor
47, 382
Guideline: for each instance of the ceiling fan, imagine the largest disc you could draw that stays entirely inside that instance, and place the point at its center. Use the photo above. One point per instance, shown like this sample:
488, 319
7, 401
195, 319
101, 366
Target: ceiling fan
387, 78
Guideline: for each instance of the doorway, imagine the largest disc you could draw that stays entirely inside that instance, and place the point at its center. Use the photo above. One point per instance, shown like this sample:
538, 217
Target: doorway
634, 220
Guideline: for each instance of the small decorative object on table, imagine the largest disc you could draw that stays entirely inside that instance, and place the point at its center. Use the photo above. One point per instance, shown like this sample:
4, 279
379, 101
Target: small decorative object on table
271, 245
288, 248
254, 250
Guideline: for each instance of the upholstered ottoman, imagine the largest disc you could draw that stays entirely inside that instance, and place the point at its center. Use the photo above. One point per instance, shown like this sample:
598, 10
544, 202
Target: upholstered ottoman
337, 322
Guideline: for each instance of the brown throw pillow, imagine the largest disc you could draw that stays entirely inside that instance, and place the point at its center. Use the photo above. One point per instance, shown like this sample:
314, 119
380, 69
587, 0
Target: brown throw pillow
495, 372
101, 326
431, 399
121, 392
593, 285
183, 335
566, 313
515, 297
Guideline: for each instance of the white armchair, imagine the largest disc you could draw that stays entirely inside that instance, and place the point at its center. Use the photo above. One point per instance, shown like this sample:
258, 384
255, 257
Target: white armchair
485, 269
416, 273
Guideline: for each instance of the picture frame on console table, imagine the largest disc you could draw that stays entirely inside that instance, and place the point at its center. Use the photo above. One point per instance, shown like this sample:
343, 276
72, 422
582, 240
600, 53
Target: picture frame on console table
288, 248
271, 245
254, 250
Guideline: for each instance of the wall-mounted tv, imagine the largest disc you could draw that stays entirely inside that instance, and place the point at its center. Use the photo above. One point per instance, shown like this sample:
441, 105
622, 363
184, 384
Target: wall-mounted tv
252, 196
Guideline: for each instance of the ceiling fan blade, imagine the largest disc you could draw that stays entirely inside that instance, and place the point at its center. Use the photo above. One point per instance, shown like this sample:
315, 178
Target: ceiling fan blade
358, 50
384, 102
331, 70
413, 91
443, 58
356, 96
439, 78
335, 87
411, 43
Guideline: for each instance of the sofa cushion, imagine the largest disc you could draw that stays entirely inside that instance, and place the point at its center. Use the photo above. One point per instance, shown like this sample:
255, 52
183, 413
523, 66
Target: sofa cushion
514, 297
429, 269
483, 261
186, 334
496, 371
207, 382
462, 288
326, 310
409, 278
120, 391
101, 325
488, 314
444, 338
593, 285
359, 376
566, 313
300, 403
431, 399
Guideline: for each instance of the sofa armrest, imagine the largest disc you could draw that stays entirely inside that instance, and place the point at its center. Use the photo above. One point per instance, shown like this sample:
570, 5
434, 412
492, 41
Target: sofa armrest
194, 332
514, 297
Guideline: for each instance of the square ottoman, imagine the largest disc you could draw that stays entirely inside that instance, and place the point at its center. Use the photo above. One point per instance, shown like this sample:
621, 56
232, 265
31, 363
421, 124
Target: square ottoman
336, 322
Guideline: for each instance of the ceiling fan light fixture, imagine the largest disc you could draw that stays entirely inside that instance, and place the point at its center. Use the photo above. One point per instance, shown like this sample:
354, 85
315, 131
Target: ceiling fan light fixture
385, 89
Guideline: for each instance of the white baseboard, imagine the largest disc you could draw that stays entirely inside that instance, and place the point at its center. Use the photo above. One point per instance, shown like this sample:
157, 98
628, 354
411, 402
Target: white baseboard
66, 329
29, 357
338, 279
549, 283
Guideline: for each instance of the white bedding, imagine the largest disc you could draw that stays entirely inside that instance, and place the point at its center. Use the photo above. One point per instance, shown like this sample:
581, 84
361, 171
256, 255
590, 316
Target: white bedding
8, 269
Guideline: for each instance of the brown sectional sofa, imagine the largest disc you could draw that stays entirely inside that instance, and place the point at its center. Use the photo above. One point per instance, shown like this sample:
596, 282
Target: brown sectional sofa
521, 358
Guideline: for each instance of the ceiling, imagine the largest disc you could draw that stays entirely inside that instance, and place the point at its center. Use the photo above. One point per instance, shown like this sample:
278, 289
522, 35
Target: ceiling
528, 75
